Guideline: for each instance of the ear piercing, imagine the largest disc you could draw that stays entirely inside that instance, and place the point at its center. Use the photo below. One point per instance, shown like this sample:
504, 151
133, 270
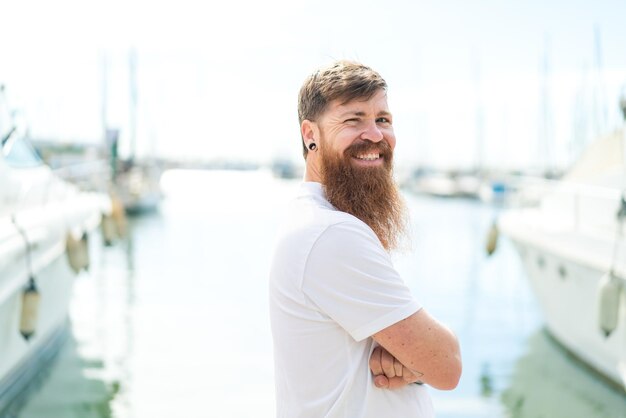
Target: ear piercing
312, 146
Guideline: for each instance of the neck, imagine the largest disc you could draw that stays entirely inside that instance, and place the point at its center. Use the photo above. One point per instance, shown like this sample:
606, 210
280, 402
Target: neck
311, 170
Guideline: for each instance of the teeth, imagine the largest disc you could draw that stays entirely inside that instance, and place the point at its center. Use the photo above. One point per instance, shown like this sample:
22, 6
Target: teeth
368, 157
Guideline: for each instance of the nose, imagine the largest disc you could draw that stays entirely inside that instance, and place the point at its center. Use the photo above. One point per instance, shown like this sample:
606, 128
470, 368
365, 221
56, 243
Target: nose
372, 132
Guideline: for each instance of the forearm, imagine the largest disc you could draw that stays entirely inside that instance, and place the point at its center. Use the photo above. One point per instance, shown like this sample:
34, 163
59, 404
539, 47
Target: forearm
425, 347
388, 372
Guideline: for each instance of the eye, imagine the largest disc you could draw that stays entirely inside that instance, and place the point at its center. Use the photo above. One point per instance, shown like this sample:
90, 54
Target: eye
383, 120
351, 120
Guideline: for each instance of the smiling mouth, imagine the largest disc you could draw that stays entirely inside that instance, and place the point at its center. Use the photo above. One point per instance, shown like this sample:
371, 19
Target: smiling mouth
372, 156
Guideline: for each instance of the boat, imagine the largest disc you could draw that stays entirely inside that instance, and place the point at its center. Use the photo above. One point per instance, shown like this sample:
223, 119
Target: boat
45, 224
464, 184
138, 187
136, 182
572, 244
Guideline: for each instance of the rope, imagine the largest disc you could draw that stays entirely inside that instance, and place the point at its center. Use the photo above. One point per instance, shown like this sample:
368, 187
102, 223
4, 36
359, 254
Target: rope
29, 265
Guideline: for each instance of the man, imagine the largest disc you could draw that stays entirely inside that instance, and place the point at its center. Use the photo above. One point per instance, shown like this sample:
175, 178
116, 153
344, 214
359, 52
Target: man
350, 341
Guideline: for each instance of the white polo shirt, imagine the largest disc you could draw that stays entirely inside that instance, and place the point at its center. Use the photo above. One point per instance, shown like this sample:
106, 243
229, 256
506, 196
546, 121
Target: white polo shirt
332, 286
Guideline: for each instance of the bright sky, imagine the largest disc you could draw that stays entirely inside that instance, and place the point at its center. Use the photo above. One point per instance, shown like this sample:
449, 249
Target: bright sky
220, 79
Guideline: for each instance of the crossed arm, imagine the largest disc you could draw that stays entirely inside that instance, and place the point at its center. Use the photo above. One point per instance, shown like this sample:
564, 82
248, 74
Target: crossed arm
388, 372
418, 348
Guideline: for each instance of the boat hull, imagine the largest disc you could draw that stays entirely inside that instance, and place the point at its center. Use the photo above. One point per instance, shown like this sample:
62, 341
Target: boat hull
38, 242
566, 286
21, 359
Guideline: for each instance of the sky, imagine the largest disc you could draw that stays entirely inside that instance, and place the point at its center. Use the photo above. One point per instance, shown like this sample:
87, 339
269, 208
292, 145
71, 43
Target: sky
489, 83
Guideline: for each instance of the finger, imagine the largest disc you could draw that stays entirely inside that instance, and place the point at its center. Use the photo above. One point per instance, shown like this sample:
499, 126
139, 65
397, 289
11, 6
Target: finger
396, 382
381, 381
398, 367
375, 363
410, 376
386, 361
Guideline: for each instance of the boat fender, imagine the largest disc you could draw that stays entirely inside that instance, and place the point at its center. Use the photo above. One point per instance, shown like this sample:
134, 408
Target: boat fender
30, 309
109, 230
84, 239
609, 303
492, 239
119, 215
77, 252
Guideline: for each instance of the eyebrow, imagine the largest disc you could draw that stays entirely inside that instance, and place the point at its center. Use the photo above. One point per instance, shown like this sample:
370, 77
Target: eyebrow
360, 113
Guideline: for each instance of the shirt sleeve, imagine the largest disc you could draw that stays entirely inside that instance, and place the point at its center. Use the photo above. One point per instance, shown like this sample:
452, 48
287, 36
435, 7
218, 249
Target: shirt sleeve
349, 277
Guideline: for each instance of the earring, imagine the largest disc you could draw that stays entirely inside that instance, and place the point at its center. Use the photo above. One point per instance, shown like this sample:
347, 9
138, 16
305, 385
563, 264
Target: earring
312, 146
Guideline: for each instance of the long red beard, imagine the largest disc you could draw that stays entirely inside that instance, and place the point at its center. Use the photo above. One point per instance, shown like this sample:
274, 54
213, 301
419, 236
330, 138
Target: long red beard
369, 193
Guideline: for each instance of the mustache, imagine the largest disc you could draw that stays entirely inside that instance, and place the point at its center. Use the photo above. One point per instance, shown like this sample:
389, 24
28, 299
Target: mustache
366, 146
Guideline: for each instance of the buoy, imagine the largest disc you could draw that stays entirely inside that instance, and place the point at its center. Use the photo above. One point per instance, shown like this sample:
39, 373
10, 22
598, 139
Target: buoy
119, 215
109, 230
492, 239
77, 252
609, 303
84, 239
30, 310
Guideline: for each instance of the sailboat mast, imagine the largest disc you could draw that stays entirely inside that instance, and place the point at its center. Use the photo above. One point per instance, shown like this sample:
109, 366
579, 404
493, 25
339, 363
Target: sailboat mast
132, 77
600, 114
546, 134
104, 93
622, 105
479, 114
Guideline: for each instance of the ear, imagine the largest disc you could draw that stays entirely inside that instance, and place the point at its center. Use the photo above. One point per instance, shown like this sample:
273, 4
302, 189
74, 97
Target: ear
309, 131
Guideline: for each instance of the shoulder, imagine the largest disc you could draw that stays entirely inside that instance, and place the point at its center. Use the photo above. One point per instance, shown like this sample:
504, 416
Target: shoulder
348, 234
348, 246
309, 220
327, 235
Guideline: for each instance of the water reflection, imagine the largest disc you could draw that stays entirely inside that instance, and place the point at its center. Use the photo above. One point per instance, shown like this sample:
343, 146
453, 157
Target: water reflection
68, 391
548, 382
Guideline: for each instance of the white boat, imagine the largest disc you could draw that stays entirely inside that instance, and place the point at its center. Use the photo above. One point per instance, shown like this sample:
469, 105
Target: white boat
44, 225
469, 184
136, 184
571, 243
139, 189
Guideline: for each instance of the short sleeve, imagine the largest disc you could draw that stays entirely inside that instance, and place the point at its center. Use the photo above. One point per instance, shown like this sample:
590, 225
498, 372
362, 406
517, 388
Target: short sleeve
349, 277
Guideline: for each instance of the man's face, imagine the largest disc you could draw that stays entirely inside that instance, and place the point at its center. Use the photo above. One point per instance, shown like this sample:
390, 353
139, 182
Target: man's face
360, 130
356, 154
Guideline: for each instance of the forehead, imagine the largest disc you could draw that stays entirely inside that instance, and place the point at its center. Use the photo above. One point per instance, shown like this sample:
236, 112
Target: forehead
375, 104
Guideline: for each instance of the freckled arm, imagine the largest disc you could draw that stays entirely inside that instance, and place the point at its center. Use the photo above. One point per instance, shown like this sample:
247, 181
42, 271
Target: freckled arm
426, 347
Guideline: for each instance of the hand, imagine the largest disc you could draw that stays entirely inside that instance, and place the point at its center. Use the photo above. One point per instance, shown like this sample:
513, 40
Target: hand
388, 372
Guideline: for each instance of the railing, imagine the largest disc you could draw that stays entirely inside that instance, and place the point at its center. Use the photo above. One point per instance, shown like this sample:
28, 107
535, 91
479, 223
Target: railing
92, 175
587, 208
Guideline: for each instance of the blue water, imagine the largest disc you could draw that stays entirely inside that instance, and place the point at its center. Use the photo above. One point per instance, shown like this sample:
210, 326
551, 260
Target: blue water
173, 321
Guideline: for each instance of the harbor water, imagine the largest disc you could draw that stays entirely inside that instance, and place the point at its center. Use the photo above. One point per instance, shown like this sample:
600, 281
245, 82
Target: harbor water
173, 321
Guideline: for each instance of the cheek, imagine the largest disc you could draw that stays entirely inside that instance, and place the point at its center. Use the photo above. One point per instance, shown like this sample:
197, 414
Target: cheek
342, 141
391, 139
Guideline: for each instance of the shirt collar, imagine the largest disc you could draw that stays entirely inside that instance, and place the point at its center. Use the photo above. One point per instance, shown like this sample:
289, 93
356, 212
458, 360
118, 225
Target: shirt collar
314, 190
